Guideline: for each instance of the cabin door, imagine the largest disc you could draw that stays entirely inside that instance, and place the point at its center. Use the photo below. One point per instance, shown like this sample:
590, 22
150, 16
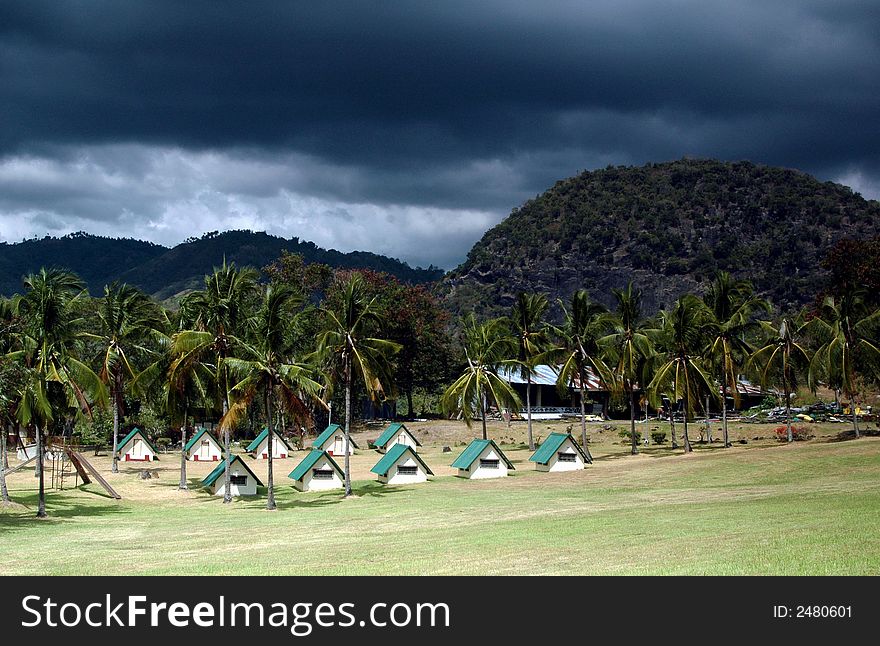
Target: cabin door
205, 450
137, 449
338, 445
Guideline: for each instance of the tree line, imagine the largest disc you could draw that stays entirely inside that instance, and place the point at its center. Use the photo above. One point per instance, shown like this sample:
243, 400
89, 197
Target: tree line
690, 355
284, 347
274, 348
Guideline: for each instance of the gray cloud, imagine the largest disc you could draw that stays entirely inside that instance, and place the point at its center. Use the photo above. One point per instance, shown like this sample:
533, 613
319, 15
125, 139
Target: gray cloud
407, 128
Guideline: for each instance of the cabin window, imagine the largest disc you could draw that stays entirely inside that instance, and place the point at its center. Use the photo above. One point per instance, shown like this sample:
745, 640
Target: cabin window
205, 444
322, 474
407, 471
239, 481
566, 457
489, 464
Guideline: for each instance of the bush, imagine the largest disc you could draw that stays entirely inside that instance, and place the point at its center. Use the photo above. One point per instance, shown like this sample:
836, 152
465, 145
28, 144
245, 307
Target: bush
798, 433
97, 431
163, 443
658, 437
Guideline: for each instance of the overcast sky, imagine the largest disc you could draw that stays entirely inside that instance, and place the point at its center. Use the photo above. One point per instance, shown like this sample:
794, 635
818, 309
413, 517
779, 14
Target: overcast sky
407, 128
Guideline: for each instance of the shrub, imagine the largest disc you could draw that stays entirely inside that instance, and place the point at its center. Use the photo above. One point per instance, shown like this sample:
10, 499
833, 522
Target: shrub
97, 431
798, 433
163, 443
658, 437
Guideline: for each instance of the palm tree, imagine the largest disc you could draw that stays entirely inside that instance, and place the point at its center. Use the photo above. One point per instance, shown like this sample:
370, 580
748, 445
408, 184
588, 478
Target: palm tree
781, 359
216, 316
577, 349
12, 376
661, 343
263, 369
58, 379
733, 305
186, 387
682, 370
346, 345
488, 347
847, 332
126, 318
527, 319
629, 347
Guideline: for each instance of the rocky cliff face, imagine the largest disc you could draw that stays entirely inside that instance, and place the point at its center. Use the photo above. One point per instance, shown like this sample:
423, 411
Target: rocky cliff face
666, 227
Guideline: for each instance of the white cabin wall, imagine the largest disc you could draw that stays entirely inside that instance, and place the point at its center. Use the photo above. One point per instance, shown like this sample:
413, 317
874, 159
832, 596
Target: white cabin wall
279, 449
308, 483
489, 453
555, 465
214, 452
396, 478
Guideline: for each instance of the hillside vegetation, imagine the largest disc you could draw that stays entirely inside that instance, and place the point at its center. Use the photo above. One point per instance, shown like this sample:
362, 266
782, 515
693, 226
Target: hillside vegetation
667, 227
164, 272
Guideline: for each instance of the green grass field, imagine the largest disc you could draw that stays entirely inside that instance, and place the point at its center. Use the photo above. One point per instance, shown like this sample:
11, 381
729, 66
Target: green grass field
810, 508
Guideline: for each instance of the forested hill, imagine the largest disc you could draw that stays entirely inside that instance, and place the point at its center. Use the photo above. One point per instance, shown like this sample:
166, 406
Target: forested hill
97, 260
164, 272
667, 227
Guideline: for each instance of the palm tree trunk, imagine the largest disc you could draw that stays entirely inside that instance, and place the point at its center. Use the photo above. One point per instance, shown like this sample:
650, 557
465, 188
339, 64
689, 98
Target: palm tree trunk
41, 508
855, 417
634, 450
672, 426
227, 459
347, 426
708, 425
115, 397
584, 423
788, 432
529, 410
687, 441
724, 410
4, 492
182, 484
270, 499
483, 415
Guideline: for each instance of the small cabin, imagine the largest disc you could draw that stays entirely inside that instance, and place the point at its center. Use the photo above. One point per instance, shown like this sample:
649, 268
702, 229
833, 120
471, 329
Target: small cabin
203, 447
243, 482
259, 447
482, 459
560, 452
401, 465
318, 471
135, 447
332, 440
396, 433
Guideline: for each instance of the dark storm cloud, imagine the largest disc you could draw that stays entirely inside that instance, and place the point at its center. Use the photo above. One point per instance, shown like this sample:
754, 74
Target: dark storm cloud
465, 107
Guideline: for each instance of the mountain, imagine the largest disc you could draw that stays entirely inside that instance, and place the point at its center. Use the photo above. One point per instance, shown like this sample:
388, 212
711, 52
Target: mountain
667, 227
164, 272
97, 260
184, 266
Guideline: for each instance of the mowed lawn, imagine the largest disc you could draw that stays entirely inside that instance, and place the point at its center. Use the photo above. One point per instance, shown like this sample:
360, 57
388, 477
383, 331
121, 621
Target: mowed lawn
809, 508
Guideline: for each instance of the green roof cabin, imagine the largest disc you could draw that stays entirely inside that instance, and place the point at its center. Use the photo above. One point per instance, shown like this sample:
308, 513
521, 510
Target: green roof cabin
243, 481
332, 440
560, 452
396, 433
318, 471
203, 447
401, 465
259, 447
482, 459
135, 447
